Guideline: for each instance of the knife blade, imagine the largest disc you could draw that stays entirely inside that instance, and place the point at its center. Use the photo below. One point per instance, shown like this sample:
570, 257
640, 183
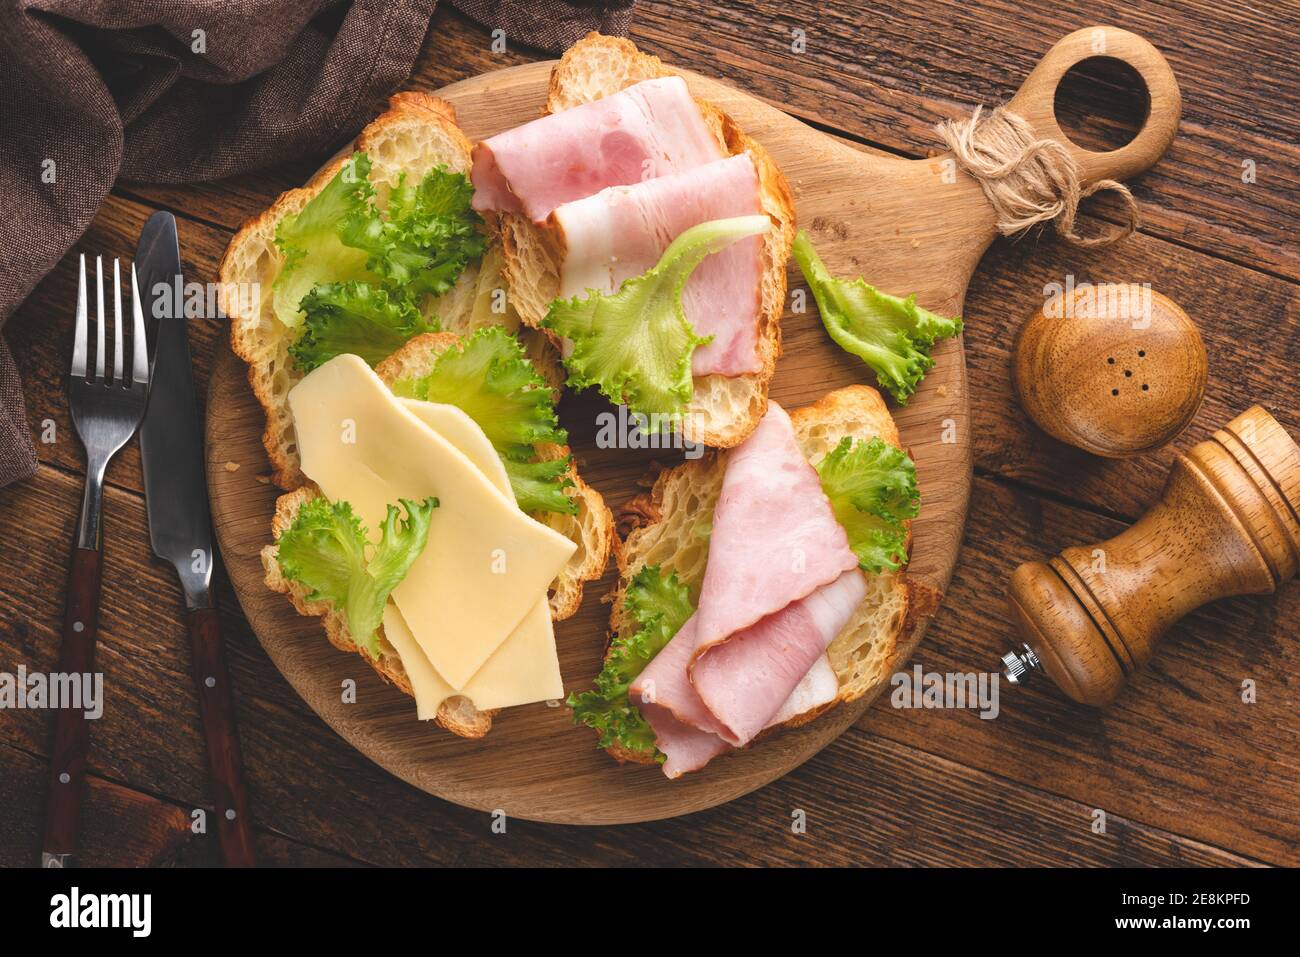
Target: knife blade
180, 528
176, 492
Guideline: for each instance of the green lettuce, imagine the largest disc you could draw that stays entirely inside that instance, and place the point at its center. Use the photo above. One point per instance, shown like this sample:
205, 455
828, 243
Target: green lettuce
311, 244
327, 549
488, 376
355, 317
539, 484
891, 335
353, 271
655, 607
872, 488
427, 237
635, 344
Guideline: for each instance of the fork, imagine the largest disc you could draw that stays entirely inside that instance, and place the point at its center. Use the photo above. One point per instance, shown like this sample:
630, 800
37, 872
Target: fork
105, 412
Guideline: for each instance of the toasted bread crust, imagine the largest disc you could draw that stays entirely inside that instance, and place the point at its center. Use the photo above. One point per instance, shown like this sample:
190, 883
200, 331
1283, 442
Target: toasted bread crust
246, 336
660, 526
723, 409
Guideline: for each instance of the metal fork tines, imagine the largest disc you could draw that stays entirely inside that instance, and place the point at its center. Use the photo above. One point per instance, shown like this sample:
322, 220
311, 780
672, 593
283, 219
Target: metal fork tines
105, 411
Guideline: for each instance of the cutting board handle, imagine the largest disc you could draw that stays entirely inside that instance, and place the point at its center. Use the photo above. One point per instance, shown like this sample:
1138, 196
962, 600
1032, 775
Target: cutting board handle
1036, 100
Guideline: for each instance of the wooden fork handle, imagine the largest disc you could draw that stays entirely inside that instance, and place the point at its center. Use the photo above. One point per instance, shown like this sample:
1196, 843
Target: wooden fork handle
225, 764
71, 727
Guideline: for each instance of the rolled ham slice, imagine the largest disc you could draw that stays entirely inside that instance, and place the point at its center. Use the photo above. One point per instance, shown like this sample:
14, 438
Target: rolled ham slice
775, 538
652, 128
819, 686
622, 231
684, 729
780, 584
688, 733
745, 679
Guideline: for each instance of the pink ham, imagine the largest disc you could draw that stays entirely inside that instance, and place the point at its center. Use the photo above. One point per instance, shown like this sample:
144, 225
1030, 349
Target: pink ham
819, 686
780, 584
666, 682
684, 729
622, 231
745, 679
685, 747
775, 538
650, 129
687, 732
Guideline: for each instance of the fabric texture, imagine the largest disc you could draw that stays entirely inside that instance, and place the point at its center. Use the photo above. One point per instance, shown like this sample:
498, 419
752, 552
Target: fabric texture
17, 454
177, 91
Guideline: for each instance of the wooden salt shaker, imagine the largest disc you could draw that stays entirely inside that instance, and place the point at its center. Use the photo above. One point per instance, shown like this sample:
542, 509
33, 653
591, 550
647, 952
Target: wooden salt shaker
1114, 369
1227, 523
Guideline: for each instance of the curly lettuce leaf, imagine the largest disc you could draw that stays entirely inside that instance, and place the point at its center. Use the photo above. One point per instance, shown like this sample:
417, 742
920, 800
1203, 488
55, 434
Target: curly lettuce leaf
635, 344
891, 335
427, 236
489, 377
656, 607
872, 488
327, 549
341, 245
539, 486
313, 249
355, 317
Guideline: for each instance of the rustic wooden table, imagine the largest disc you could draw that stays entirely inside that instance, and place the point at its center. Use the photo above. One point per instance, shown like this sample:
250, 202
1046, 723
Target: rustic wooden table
1185, 772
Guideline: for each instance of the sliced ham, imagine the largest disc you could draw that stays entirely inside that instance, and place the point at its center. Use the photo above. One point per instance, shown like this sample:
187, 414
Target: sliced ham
652, 128
684, 729
684, 746
775, 538
665, 682
687, 732
745, 679
622, 231
780, 584
819, 687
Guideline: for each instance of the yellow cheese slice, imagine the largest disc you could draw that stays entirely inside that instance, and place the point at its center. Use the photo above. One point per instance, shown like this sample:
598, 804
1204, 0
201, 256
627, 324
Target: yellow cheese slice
427, 685
526, 667
454, 425
523, 670
486, 563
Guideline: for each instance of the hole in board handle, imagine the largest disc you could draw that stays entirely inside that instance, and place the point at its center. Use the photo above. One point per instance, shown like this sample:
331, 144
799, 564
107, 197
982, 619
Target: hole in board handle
1101, 104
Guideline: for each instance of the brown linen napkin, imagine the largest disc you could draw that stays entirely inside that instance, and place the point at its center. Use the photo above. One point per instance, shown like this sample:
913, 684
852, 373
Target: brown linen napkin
176, 91
17, 455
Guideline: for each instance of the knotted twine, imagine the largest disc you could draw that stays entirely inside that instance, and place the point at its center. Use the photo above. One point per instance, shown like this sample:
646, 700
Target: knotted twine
1028, 179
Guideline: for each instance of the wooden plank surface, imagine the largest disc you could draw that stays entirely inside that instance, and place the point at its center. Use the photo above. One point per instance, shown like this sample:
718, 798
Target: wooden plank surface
889, 75
1184, 770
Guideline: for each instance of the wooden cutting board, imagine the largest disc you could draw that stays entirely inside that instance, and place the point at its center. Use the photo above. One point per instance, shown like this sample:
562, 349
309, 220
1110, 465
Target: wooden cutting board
909, 226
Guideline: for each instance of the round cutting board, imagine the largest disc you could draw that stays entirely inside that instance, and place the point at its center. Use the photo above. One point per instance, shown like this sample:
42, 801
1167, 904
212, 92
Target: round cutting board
902, 224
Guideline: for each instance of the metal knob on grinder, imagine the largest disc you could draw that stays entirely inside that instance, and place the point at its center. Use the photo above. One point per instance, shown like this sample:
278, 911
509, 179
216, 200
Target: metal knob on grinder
1227, 523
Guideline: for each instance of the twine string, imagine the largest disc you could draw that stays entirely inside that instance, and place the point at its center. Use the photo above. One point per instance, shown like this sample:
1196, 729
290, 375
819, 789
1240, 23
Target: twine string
1028, 179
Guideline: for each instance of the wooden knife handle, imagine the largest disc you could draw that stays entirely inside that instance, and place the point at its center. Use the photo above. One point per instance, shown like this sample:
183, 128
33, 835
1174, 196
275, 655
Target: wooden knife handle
1036, 100
71, 727
225, 764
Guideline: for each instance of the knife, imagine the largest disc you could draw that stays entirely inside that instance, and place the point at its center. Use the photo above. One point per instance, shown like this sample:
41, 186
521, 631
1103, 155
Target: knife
180, 527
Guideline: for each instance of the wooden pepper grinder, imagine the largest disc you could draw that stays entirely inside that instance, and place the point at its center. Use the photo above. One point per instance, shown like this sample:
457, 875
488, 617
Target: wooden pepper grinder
1227, 523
